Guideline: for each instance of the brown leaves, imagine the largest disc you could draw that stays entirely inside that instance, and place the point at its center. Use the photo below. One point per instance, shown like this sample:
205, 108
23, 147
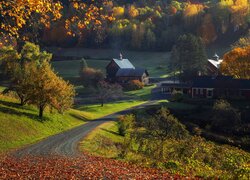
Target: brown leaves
83, 167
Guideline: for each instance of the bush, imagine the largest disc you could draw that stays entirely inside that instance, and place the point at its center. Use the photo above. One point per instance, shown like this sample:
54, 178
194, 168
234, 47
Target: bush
177, 96
224, 115
134, 85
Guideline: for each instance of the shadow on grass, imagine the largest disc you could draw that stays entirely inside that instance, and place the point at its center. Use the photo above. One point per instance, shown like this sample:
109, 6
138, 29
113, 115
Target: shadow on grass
15, 105
111, 132
18, 113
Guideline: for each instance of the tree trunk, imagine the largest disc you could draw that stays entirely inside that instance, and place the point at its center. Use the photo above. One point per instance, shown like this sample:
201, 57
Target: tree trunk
102, 103
41, 108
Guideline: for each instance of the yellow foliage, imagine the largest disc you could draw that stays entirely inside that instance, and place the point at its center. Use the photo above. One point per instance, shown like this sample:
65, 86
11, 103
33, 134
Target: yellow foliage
118, 11
192, 9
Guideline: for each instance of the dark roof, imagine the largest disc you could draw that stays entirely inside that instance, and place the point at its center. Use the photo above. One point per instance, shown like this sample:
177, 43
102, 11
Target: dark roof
124, 63
131, 72
176, 85
220, 82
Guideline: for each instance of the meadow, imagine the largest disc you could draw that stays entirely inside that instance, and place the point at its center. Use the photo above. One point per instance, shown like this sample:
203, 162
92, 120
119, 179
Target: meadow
155, 62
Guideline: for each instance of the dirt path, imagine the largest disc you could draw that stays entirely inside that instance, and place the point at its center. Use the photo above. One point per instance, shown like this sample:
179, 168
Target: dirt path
66, 143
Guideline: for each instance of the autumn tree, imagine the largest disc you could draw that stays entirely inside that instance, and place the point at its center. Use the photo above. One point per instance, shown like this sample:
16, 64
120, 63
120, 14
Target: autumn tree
108, 91
22, 19
189, 57
49, 90
236, 63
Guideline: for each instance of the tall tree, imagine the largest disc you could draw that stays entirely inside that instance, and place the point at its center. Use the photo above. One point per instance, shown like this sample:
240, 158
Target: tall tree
189, 57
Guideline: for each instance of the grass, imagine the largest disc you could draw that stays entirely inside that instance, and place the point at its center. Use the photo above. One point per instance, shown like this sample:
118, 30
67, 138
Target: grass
96, 111
143, 94
97, 144
21, 126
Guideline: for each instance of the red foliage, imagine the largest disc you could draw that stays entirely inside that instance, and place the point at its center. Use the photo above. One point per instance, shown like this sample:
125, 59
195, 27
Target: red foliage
82, 167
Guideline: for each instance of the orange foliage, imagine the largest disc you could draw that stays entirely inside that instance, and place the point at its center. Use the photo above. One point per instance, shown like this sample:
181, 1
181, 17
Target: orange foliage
86, 16
237, 63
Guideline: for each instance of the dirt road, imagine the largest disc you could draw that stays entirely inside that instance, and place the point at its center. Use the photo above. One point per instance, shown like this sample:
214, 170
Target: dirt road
66, 143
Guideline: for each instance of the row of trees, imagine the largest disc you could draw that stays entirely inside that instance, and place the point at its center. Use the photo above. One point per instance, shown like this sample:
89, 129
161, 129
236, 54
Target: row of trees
33, 80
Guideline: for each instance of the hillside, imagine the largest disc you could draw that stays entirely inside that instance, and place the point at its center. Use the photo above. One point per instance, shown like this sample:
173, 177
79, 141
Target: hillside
21, 126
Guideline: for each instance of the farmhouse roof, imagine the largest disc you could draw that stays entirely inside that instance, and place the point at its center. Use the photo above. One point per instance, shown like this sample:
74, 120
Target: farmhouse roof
131, 72
124, 63
215, 63
220, 82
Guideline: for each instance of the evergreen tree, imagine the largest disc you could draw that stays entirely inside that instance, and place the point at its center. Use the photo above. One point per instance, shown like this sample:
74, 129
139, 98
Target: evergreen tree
189, 57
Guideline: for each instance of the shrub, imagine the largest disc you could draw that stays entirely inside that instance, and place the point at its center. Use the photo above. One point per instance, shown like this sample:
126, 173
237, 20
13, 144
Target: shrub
91, 77
134, 85
224, 115
125, 123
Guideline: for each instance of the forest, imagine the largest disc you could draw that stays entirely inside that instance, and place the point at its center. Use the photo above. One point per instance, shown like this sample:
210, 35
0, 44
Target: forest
136, 25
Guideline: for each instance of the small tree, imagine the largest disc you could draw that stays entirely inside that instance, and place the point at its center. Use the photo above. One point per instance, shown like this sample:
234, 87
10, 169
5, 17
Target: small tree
90, 77
108, 91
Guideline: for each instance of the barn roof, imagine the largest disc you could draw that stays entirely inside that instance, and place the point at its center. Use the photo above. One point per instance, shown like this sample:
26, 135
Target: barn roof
131, 72
124, 63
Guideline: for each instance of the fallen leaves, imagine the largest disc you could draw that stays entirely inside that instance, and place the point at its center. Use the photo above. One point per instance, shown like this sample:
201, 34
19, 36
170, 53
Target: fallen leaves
83, 167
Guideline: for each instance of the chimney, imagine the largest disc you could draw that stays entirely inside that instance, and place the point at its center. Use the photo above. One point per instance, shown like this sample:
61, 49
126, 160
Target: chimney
121, 56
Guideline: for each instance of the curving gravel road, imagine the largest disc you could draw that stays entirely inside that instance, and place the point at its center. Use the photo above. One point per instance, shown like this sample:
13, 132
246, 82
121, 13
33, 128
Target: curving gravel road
66, 142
